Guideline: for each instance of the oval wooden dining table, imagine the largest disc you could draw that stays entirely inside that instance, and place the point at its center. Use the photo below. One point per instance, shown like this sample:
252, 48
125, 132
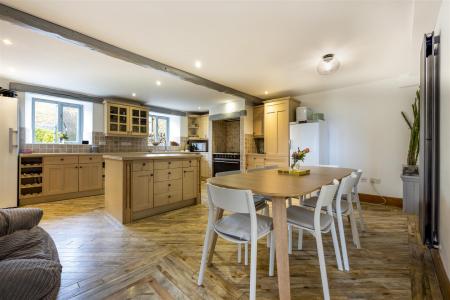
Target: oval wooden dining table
279, 188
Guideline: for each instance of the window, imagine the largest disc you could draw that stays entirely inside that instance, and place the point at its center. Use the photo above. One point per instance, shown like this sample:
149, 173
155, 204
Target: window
159, 129
56, 122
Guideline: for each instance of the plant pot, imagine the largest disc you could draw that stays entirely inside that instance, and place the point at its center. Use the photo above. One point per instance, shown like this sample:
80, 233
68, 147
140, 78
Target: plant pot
410, 170
411, 184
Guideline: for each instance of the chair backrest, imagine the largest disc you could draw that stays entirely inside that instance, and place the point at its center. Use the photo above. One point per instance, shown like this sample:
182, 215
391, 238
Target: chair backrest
327, 193
218, 174
358, 178
239, 201
271, 167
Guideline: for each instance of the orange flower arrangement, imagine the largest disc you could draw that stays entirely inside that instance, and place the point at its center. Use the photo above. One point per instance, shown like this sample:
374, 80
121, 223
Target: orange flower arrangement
299, 155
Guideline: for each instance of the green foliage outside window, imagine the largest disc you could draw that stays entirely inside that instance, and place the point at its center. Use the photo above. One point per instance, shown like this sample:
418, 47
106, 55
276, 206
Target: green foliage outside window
44, 135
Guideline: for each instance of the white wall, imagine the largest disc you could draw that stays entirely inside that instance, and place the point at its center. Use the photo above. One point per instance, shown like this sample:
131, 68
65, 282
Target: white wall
228, 107
366, 130
248, 120
443, 26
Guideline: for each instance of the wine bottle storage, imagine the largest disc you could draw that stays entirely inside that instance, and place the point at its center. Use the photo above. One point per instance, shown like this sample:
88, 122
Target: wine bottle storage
30, 181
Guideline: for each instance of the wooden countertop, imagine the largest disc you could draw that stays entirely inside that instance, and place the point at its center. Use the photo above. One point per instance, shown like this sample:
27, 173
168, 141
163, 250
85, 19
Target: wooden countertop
150, 156
127, 154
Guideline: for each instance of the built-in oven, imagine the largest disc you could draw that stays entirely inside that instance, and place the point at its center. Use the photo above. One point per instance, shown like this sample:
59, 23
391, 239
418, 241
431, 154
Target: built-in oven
198, 145
223, 162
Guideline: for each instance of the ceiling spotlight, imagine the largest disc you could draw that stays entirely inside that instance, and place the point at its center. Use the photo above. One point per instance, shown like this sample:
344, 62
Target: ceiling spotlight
198, 64
134, 94
158, 82
7, 42
328, 64
199, 108
12, 70
266, 92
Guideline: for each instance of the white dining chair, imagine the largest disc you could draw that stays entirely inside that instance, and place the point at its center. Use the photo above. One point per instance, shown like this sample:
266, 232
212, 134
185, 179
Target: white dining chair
260, 205
341, 208
316, 223
355, 198
243, 226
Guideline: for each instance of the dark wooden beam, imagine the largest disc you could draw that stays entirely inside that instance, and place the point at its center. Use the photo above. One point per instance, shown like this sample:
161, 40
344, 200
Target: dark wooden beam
43, 90
26, 20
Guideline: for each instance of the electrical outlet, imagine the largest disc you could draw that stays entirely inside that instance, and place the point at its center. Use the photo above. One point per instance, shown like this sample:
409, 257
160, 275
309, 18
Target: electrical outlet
375, 180
363, 179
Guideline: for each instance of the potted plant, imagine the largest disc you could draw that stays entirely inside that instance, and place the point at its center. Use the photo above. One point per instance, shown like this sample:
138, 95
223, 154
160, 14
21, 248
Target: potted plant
298, 155
63, 136
411, 167
410, 176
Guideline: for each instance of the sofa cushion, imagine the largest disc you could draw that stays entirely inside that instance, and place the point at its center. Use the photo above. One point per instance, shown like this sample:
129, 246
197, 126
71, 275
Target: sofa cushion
28, 244
19, 219
29, 279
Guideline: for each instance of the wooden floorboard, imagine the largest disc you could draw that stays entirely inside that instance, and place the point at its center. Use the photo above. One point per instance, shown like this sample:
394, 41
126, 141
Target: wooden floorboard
159, 257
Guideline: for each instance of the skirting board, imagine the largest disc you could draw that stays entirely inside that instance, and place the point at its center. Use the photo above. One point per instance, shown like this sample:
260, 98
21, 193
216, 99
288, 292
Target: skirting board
391, 201
51, 198
444, 281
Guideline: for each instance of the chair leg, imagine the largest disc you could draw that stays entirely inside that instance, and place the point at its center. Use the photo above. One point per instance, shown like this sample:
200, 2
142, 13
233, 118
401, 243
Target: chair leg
208, 234
300, 239
239, 253
337, 251
343, 245
355, 232
246, 254
289, 239
267, 213
323, 267
253, 262
272, 254
362, 223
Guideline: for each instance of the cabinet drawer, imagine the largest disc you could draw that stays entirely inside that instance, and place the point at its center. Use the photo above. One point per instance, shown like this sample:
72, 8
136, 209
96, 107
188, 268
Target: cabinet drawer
190, 163
279, 161
163, 187
167, 198
60, 160
168, 164
169, 174
144, 165
87, 159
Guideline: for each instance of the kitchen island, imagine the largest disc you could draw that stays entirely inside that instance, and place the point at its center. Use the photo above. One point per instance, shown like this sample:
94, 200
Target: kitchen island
138, 185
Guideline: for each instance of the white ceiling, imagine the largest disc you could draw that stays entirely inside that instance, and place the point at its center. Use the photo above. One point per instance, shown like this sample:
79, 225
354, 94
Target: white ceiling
248, 45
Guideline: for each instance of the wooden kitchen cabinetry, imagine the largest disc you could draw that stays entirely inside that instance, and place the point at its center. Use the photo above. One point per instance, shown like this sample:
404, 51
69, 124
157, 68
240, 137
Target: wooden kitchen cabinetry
62, 177
258, 121
138, 188
198, 126
125, 120
205, 166
277, 115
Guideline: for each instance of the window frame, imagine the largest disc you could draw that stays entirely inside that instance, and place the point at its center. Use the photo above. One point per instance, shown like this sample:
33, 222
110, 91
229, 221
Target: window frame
61, 105
157, 117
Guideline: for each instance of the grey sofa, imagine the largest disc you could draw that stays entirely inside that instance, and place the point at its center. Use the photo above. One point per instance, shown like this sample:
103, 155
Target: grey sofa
29, 262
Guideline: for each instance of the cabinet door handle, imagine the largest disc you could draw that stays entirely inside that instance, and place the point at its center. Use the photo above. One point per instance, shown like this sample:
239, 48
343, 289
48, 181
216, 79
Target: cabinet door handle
61, 159
169, 184
170, 196
169, 173
143, 164
81, 167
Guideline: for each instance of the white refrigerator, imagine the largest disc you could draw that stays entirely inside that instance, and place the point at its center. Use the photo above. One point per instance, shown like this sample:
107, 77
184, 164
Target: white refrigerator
8, 151
313, 135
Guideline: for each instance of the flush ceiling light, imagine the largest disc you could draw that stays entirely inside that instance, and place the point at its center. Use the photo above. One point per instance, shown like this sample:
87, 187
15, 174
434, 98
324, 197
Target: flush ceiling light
266, 92
158, 82
134, 94
7, 42
328, 65
198, 64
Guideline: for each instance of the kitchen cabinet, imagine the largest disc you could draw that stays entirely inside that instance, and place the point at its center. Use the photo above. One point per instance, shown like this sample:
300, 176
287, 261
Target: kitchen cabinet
190, 183
141, 190
258, 121
60, 179
90, 177
125, 120
205, 166
198, 126
277, 115
255, 160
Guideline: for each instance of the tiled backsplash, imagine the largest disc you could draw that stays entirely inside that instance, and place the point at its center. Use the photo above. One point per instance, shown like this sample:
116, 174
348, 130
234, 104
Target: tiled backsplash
103, 143
226, 136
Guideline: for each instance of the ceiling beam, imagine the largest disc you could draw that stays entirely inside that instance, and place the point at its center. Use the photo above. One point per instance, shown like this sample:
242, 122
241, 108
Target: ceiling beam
26, 20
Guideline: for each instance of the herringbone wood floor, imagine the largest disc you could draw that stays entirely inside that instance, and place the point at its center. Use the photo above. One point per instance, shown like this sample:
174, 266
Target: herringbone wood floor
158, 258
